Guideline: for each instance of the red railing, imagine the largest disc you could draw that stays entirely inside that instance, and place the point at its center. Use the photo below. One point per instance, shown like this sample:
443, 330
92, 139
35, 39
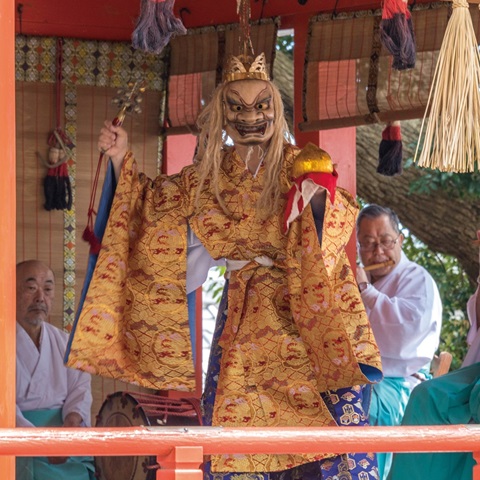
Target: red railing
180, 450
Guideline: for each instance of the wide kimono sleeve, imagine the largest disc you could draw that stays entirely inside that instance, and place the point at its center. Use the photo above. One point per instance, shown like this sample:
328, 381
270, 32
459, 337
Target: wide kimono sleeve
133, 325
325, 301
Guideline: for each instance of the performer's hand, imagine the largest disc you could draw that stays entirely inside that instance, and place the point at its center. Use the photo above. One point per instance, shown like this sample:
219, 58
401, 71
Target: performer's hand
113, 141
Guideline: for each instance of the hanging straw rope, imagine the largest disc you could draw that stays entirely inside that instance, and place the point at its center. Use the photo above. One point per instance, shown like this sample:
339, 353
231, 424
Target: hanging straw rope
452, 140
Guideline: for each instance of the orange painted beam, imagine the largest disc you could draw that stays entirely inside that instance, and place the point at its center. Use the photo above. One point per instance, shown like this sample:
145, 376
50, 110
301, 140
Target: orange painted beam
7, 227
115, 19
161, 440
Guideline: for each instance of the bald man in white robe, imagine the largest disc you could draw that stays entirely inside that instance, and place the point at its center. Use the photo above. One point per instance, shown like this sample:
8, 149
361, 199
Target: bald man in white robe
48, 394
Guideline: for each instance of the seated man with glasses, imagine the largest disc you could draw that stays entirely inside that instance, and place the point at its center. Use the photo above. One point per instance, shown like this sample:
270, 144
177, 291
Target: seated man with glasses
405, 310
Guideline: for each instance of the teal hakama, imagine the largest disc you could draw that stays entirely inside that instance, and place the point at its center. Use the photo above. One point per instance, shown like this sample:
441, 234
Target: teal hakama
38, 468
451, 399
387, 406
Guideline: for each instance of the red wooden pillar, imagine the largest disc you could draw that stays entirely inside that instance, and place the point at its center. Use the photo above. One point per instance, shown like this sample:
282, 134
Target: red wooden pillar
7, 227
179, 151
339, 143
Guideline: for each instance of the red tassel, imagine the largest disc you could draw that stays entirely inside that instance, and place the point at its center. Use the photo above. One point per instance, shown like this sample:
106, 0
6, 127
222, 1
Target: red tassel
390, 152
156, 25
396, 33
90, 237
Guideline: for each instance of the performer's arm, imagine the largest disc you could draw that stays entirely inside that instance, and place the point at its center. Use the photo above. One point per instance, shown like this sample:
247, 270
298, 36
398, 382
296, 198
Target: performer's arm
113, 142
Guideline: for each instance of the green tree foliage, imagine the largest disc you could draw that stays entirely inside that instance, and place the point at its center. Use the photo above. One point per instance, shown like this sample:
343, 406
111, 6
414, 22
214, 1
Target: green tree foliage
215, 283
285, 44
461, 185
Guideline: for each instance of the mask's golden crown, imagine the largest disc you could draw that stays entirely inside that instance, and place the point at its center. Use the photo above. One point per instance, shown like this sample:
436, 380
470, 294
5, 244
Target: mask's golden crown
246, 68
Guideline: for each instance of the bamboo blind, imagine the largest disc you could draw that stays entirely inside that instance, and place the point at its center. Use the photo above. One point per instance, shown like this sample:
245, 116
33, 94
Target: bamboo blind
196, 64
349, 80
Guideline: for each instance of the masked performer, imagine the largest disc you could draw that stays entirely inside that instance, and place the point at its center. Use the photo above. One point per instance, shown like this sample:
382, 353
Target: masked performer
293, 346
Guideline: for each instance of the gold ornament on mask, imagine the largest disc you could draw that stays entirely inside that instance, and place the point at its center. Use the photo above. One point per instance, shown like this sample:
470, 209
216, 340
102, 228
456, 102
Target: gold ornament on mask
246, 68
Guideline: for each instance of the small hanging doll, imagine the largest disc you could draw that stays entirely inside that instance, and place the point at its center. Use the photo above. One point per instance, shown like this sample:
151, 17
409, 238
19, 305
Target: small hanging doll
57, 186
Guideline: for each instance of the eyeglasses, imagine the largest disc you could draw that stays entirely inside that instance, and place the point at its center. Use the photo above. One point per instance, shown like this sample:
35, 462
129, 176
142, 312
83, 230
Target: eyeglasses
386, 243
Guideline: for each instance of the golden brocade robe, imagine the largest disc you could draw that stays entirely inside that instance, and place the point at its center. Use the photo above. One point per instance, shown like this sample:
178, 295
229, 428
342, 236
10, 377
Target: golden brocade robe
296, 325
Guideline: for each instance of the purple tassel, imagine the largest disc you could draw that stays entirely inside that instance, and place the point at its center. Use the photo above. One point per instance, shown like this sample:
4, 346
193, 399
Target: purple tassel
156, 25
397, 35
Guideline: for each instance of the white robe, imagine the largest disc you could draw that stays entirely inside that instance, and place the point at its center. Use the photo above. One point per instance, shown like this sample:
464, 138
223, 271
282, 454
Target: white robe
44, 382
405, 311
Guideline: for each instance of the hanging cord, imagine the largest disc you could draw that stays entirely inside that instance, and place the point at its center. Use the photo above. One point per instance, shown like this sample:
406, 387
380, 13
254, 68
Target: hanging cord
335, 13
58, 79
20, 17
128, 100
57, 186
89, 234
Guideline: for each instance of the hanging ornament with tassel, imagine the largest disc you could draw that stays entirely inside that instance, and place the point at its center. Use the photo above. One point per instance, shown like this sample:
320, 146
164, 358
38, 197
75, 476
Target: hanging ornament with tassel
396, 33
156, 25
450, 137
390, 151
56, 185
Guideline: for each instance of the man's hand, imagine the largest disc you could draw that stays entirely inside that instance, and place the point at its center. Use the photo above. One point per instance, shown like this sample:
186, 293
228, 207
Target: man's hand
72, 420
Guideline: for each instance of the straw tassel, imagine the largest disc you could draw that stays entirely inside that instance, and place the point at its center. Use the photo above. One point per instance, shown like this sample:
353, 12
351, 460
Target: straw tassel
450, 139
390, 152
156, 25
396, 33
